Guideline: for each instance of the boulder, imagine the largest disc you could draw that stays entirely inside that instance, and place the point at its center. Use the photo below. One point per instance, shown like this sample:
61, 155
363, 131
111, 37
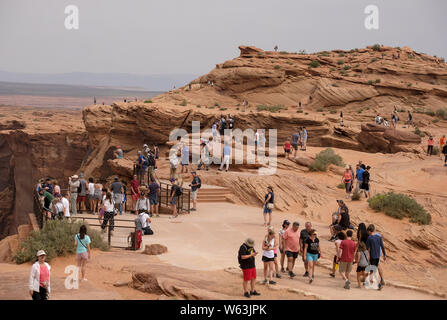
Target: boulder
155, 249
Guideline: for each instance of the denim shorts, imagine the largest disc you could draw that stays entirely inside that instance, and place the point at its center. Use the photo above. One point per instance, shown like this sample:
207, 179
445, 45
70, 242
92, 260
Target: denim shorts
311, 257
267, 210
153, 201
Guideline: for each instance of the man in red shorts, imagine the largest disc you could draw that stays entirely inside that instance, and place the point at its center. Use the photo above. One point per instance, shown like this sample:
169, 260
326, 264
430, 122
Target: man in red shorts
246, 259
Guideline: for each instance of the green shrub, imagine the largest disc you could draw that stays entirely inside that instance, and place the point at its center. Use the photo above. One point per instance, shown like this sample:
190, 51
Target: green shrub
341, 185
442, 113
306, 113
357, 65
314, 64
335, 85
198, 106
324, 159
324, 54
216, 104
418, 132
373, 59
274, 108
184, 103
344, 72
432, 82
430, 113
341, 54
320, 110
370, 82
409, 85
147, 101
332, 69
57, 239
333, 111
340, 62
376, 47
299, 111
355, 196
283, 52
277, 67
346, 67
436, 151
222, 109
398, 206
377, 80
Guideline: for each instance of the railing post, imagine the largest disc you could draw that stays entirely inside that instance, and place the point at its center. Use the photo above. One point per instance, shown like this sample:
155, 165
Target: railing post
109, 236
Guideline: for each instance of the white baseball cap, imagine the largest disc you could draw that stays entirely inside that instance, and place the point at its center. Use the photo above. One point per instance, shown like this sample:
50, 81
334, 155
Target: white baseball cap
41, 253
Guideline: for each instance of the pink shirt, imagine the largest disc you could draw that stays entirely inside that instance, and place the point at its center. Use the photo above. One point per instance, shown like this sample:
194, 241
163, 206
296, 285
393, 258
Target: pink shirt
44, 274
291, 240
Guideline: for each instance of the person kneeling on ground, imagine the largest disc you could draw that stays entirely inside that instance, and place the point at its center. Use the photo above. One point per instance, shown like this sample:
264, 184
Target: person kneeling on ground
246, 257
145, 222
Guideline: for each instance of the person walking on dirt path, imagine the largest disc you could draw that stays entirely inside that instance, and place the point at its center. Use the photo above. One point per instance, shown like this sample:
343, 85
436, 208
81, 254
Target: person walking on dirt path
246, 257
154, 190
366, 179
362, 261
346, 254
347, 180
441, 145
39, 278
312, 253
336, 261
362, 233
375, 246
268, 205
430, 144
295, 141
285, 226
195, 185
268, 256
444, 151
73, 184
287, 147
109, 212
291, 246
410, 119
82, 244
117, 190
359, 177
304, 235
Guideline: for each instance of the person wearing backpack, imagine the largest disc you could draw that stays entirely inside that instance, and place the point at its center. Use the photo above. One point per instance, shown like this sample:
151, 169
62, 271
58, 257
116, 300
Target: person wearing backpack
176, 192
362, 260
246, 258
150, 163
82, 244
195, 185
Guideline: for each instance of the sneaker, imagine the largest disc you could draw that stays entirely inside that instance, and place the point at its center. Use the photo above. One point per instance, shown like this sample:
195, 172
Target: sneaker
282, 270
310, 280
219, 169
347, 285
291, 274
272, 282
380, 286
247, 294
332, 275
382, 282
254, 293
306, 274
278, 276
265, 281
226, 170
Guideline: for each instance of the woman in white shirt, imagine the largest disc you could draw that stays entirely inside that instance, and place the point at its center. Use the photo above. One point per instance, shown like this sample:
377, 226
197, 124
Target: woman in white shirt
66, 204
91, 195
39, 278
109, 212
268, 255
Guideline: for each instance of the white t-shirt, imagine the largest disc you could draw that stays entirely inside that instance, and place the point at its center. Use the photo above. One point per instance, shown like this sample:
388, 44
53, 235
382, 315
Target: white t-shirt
66, 205
108, 206
59, 207
143, 219
270, 253
338, 241
91, 188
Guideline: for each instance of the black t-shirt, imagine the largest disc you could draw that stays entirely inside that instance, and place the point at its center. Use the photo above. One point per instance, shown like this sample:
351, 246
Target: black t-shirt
344, 221
249, 263
174, 190
304, 235
312, 246
272, 198
365, 176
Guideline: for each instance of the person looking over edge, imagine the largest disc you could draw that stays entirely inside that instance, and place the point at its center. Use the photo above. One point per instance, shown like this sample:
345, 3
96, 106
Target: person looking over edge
195, 185
246, 257
82, 244
39, 278
374, 244
268, 205
291, 246
154, 189
304, 235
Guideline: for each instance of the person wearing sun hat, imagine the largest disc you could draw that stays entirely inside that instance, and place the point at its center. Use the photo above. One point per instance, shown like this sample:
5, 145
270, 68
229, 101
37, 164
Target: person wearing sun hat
246, 258
39, 278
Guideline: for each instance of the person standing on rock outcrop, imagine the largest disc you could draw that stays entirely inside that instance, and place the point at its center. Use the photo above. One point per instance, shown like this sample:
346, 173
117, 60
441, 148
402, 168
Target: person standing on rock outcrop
73, 184
246, 258
304, 139
366, 179
295, 140
430, 144
347, 180
39, 278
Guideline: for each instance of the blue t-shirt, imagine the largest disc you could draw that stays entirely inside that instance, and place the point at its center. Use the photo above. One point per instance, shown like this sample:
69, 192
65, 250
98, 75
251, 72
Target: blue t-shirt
82, 243
226, 150
360, 174
295, 138
375, 245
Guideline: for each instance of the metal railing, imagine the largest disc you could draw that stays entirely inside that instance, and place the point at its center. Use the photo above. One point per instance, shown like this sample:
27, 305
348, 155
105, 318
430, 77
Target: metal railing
38, 209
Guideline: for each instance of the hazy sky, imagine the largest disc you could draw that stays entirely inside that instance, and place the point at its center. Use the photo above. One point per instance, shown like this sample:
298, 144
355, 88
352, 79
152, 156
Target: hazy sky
191, 36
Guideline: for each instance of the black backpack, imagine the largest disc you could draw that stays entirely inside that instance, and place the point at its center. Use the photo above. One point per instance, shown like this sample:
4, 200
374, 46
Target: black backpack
199, 183
151, 160
178, 192
80, 187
